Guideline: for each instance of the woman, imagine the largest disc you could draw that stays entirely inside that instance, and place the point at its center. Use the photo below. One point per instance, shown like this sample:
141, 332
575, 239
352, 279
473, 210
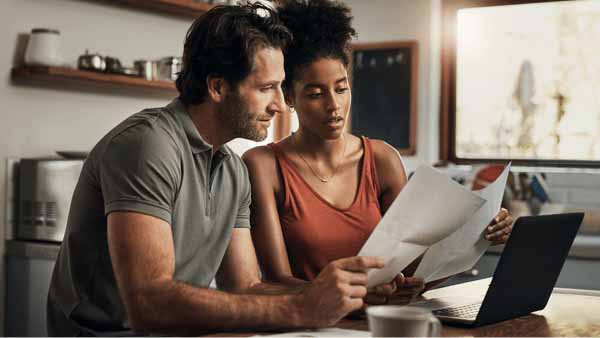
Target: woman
318, 194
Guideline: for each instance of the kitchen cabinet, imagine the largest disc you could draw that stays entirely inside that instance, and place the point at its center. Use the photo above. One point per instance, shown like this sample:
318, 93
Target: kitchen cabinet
29, 267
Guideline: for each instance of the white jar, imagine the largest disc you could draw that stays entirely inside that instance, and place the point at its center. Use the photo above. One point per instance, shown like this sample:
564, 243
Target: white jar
43, 48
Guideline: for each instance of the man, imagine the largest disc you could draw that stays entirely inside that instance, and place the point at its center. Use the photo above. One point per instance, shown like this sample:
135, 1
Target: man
162, 205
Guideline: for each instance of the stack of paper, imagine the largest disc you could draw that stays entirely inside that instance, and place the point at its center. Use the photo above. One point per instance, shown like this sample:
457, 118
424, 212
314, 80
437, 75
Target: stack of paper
327, 332
434, 214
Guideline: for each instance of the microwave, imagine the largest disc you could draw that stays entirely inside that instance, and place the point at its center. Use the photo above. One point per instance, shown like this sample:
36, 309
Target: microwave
45, 189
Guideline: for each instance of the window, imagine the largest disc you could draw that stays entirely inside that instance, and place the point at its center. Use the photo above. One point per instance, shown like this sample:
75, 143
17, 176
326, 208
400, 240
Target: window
521, 81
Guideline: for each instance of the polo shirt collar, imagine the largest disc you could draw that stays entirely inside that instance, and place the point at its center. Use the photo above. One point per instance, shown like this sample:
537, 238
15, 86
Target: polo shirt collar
197, 144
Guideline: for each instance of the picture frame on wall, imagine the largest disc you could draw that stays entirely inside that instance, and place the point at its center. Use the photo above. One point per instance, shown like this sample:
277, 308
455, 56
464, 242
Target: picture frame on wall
384, 78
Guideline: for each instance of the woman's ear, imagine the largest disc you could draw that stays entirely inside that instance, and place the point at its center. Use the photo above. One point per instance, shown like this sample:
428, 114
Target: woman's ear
217, 88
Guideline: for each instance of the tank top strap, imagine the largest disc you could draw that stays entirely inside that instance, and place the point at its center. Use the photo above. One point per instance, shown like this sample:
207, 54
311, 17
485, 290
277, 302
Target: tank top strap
279, 156
370, 168
283, 168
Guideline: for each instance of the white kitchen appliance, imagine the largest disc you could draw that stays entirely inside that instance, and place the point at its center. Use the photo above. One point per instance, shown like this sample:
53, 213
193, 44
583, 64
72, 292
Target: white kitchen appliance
46, 187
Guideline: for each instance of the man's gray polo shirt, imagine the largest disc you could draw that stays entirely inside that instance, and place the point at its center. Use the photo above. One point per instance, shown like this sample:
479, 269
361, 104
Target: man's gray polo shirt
155, 163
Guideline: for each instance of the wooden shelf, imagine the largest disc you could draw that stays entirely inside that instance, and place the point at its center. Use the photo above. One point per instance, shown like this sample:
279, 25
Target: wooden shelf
189, 8
61, 74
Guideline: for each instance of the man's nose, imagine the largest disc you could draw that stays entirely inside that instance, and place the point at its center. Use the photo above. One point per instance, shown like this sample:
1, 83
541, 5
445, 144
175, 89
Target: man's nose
278, 105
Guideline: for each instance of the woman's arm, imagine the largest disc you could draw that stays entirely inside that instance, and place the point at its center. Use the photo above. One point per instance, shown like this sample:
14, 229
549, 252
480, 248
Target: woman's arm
266, 229
390, 173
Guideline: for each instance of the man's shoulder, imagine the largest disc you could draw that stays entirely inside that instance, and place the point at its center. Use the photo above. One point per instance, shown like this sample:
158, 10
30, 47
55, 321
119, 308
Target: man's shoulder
235, 160
152, 122
152, 130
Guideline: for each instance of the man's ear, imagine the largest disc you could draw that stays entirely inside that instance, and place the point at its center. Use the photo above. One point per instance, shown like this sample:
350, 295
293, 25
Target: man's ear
218, 88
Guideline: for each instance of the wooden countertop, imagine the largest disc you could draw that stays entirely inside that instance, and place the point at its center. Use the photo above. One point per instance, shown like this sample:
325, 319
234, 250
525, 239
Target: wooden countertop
569, 313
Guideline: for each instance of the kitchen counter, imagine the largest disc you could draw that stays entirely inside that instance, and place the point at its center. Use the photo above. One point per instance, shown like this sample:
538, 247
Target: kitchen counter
591, 221
29, 266
584, 246
587, 242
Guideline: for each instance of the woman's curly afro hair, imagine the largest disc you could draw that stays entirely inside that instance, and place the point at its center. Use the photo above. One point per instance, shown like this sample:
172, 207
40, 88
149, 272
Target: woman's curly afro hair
320, 29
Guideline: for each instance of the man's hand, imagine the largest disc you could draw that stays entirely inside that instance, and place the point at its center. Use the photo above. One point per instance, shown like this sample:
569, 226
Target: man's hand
401, 290
338, 290
500, 228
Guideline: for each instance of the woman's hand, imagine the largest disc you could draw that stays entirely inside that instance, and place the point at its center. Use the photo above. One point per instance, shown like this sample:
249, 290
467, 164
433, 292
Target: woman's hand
500, 228
399, 291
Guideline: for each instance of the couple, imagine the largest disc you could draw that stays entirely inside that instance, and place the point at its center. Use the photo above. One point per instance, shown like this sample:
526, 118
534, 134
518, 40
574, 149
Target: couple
163, 206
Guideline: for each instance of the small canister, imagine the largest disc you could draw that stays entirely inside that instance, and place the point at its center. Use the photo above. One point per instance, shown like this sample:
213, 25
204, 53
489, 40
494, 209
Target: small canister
43, 48
92, 62
169, 68
146, 69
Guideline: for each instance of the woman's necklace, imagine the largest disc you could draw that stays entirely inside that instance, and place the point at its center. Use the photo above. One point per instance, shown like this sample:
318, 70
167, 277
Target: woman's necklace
314, 172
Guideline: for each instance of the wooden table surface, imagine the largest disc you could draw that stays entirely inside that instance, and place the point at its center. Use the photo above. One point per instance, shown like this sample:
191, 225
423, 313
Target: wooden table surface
564, 315
573, 314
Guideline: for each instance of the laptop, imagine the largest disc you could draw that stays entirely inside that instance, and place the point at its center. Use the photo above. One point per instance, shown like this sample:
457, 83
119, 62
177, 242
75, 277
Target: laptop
524, 277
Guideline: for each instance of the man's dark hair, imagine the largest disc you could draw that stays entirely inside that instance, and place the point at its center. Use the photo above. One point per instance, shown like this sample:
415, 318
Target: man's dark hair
321, 29
223, 42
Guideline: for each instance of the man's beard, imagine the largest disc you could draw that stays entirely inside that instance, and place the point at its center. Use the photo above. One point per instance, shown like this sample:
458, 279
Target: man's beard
235, 115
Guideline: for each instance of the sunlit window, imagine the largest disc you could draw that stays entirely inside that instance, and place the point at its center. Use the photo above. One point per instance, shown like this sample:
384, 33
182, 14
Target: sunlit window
528, 81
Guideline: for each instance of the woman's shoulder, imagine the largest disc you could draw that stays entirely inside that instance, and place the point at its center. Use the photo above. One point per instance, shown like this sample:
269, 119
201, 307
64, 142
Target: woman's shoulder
261, 162
384, 153
264, 157
388, 162
260, 156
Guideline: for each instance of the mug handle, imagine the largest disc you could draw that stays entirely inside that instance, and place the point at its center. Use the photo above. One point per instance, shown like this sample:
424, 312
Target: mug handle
435, 327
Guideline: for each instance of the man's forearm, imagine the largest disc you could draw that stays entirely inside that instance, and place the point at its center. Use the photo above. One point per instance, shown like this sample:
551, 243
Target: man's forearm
175, 306
287, 287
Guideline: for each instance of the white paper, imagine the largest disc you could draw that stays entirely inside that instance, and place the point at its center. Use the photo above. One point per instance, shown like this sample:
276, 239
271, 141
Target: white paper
328, 332
462, 249
429, 208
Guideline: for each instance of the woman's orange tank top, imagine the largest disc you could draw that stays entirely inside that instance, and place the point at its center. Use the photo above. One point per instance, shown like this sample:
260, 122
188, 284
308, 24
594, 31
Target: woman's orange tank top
315, 231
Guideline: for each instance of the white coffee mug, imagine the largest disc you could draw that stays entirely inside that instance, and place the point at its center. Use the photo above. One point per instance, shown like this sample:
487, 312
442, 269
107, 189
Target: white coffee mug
402, 321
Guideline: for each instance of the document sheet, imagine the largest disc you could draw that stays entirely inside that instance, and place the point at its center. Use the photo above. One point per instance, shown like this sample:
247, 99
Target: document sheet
429, 208
327, 332
462, 249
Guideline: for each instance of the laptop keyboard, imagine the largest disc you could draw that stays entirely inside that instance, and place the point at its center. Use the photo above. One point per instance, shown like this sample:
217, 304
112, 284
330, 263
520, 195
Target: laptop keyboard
469, 311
